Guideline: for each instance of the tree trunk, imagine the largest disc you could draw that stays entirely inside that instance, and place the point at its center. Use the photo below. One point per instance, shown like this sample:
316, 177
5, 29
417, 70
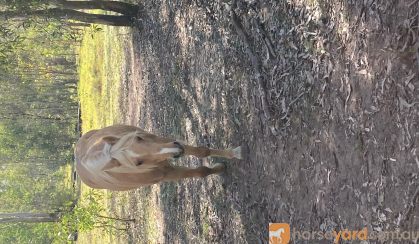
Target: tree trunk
77, 24
114, 6
28, 217
71, 14
118, 219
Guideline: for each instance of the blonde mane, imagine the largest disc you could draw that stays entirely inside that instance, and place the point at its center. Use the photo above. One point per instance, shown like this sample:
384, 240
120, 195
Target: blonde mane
120, 151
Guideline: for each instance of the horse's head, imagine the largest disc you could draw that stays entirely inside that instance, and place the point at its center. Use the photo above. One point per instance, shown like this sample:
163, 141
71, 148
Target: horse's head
138, 149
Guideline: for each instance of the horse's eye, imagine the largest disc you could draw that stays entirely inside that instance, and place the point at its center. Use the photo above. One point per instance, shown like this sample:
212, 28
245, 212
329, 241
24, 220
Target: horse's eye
138, 138
139, 162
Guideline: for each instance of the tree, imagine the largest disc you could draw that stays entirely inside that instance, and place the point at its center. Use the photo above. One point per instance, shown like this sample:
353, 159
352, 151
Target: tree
28, 217
69, 10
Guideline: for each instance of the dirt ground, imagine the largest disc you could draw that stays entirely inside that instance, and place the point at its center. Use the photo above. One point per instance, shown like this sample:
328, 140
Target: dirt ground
322, 95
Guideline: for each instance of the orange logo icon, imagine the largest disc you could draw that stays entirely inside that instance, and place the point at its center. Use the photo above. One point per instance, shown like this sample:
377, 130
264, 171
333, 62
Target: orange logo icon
279, 233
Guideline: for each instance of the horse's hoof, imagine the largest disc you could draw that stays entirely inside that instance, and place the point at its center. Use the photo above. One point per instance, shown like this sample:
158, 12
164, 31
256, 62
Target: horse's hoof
182, 149
219, 168
237, 152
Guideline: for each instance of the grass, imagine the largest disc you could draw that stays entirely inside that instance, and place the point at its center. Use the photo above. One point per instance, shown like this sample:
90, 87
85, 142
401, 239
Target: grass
151, 214
101, 59
101, 56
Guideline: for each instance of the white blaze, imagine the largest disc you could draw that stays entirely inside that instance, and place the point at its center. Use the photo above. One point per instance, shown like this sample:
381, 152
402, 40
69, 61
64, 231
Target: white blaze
169, 150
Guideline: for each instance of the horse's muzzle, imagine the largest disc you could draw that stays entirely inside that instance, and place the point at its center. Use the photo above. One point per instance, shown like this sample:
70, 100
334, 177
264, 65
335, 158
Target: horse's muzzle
182, 150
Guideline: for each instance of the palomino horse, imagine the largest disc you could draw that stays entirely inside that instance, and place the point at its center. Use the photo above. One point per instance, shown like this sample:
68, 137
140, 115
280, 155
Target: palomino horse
123, 157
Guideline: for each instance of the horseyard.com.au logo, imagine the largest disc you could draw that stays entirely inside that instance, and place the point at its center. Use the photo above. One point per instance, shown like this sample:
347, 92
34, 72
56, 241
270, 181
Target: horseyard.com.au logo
279, 233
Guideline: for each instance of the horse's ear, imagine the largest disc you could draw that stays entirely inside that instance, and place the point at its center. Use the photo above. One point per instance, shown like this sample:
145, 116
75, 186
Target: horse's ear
111, 140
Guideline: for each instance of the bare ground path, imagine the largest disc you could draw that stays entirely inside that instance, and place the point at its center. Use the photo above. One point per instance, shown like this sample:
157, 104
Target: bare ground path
340, 146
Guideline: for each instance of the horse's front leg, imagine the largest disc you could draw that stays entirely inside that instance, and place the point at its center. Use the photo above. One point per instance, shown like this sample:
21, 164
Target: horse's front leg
203, 152
174, 173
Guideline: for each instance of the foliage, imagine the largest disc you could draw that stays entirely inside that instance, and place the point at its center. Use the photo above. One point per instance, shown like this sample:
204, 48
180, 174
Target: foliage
84, 217
66, 11
19, 197
22, 4
38, 120
25, 233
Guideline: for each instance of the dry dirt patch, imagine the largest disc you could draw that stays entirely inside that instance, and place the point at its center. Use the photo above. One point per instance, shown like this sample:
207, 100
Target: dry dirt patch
335, 145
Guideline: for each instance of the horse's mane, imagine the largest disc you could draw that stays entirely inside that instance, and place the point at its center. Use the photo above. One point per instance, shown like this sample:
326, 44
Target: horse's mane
120, 151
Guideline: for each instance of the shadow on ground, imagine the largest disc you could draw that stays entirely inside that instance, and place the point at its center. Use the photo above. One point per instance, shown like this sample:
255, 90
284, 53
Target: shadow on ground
339, 148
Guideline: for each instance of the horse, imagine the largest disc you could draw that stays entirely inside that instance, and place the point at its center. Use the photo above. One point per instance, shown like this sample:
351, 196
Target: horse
124, 157
277, 234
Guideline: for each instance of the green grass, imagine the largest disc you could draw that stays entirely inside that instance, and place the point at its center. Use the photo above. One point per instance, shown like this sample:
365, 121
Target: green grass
101, 60
151, 228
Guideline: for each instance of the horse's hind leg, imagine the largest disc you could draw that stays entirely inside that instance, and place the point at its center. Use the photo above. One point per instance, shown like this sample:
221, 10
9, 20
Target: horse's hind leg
202, 152
174, 173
